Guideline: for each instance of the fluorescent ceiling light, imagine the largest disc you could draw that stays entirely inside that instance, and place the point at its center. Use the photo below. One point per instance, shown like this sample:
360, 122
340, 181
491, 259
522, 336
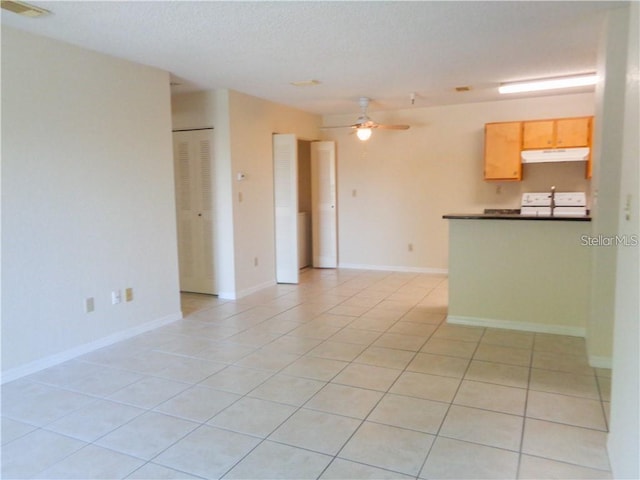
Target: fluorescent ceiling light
549, 83
22, 8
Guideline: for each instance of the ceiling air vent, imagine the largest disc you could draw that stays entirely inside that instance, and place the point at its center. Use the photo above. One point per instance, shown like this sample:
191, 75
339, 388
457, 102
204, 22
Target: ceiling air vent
22, 8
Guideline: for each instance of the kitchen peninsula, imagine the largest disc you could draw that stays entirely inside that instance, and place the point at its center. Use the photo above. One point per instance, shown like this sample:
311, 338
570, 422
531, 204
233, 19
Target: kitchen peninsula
520, 272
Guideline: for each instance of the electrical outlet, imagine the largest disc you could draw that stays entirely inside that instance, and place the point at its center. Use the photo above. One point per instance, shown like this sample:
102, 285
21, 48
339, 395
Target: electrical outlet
410, 247
116, 297
89, 305
128, 294
255, 261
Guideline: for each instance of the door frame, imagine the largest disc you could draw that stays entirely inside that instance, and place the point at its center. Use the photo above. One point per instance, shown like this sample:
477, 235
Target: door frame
285, 232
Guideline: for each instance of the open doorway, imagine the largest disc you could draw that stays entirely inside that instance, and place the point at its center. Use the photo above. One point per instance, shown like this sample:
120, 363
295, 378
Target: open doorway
304, 186
305, 237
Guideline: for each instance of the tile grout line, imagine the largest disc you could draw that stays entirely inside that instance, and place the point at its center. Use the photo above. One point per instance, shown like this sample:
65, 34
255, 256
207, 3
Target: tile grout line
437, 434
328, 287
246, 395
297, 409
384, 393
388, 390
526, 406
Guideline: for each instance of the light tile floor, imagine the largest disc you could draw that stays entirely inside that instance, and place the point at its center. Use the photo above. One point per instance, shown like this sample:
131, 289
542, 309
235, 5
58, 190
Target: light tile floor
350, 374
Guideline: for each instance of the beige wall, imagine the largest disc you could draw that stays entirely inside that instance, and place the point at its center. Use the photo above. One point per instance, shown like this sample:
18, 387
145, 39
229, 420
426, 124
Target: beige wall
252, 123
243, 128
87, 201
394, 189
520, 274
206, 109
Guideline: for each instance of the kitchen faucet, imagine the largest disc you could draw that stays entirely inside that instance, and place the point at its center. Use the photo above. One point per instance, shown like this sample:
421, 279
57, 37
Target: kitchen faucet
552, 204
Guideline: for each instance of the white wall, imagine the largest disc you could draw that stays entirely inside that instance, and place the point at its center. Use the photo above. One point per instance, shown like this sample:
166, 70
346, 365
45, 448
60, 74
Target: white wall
87, 200
624, 440
394, 188
610, 105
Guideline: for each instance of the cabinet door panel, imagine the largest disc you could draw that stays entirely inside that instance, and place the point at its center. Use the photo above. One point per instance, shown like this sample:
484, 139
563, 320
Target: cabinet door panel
572, 132
502, 151
538, 134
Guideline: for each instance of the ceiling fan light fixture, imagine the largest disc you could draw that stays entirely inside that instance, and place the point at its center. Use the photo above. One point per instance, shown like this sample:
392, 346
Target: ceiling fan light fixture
364, 124
549, 83
363, 133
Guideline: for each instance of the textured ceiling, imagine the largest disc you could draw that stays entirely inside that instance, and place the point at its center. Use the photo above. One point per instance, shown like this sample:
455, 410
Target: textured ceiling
384, 49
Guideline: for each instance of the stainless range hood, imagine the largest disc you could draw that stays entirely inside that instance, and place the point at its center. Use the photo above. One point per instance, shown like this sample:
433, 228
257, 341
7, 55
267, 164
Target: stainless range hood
555, 155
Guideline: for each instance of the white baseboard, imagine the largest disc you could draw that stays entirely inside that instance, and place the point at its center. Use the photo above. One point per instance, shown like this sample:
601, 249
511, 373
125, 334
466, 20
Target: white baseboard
51, 360
386, 268
247, 291
594, 360
522, 326
227, 295
600, 362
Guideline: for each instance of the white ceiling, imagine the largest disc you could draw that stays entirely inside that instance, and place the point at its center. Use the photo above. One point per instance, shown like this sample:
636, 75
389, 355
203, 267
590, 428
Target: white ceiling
382, 49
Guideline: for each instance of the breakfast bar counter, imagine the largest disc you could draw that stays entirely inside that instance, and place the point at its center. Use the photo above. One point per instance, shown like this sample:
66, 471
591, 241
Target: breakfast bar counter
523, 275
515, 216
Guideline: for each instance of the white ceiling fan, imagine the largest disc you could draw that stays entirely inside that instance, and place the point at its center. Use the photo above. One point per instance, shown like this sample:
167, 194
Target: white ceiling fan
364, 124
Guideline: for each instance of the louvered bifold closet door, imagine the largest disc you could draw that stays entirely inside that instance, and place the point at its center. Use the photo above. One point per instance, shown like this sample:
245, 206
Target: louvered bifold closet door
323, 205
285, 172
195, 210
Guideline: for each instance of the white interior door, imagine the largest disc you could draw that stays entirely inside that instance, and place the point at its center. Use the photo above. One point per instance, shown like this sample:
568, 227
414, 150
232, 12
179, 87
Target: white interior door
323, 205
194, 206
285, 173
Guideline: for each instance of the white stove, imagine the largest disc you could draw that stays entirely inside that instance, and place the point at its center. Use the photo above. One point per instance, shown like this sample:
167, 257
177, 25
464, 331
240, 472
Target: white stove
566, 204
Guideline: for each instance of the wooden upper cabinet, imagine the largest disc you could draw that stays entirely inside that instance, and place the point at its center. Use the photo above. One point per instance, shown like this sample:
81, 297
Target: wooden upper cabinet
557, 133
538, 134
502, 146
573, 132
504, 142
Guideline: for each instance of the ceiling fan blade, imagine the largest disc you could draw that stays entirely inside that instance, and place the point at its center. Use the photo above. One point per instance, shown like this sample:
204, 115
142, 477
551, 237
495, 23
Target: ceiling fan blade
340, 126
364, 122
392, 127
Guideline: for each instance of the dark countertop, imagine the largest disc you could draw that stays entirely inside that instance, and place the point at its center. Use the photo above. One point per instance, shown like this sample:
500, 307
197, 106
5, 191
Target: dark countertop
514, 216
